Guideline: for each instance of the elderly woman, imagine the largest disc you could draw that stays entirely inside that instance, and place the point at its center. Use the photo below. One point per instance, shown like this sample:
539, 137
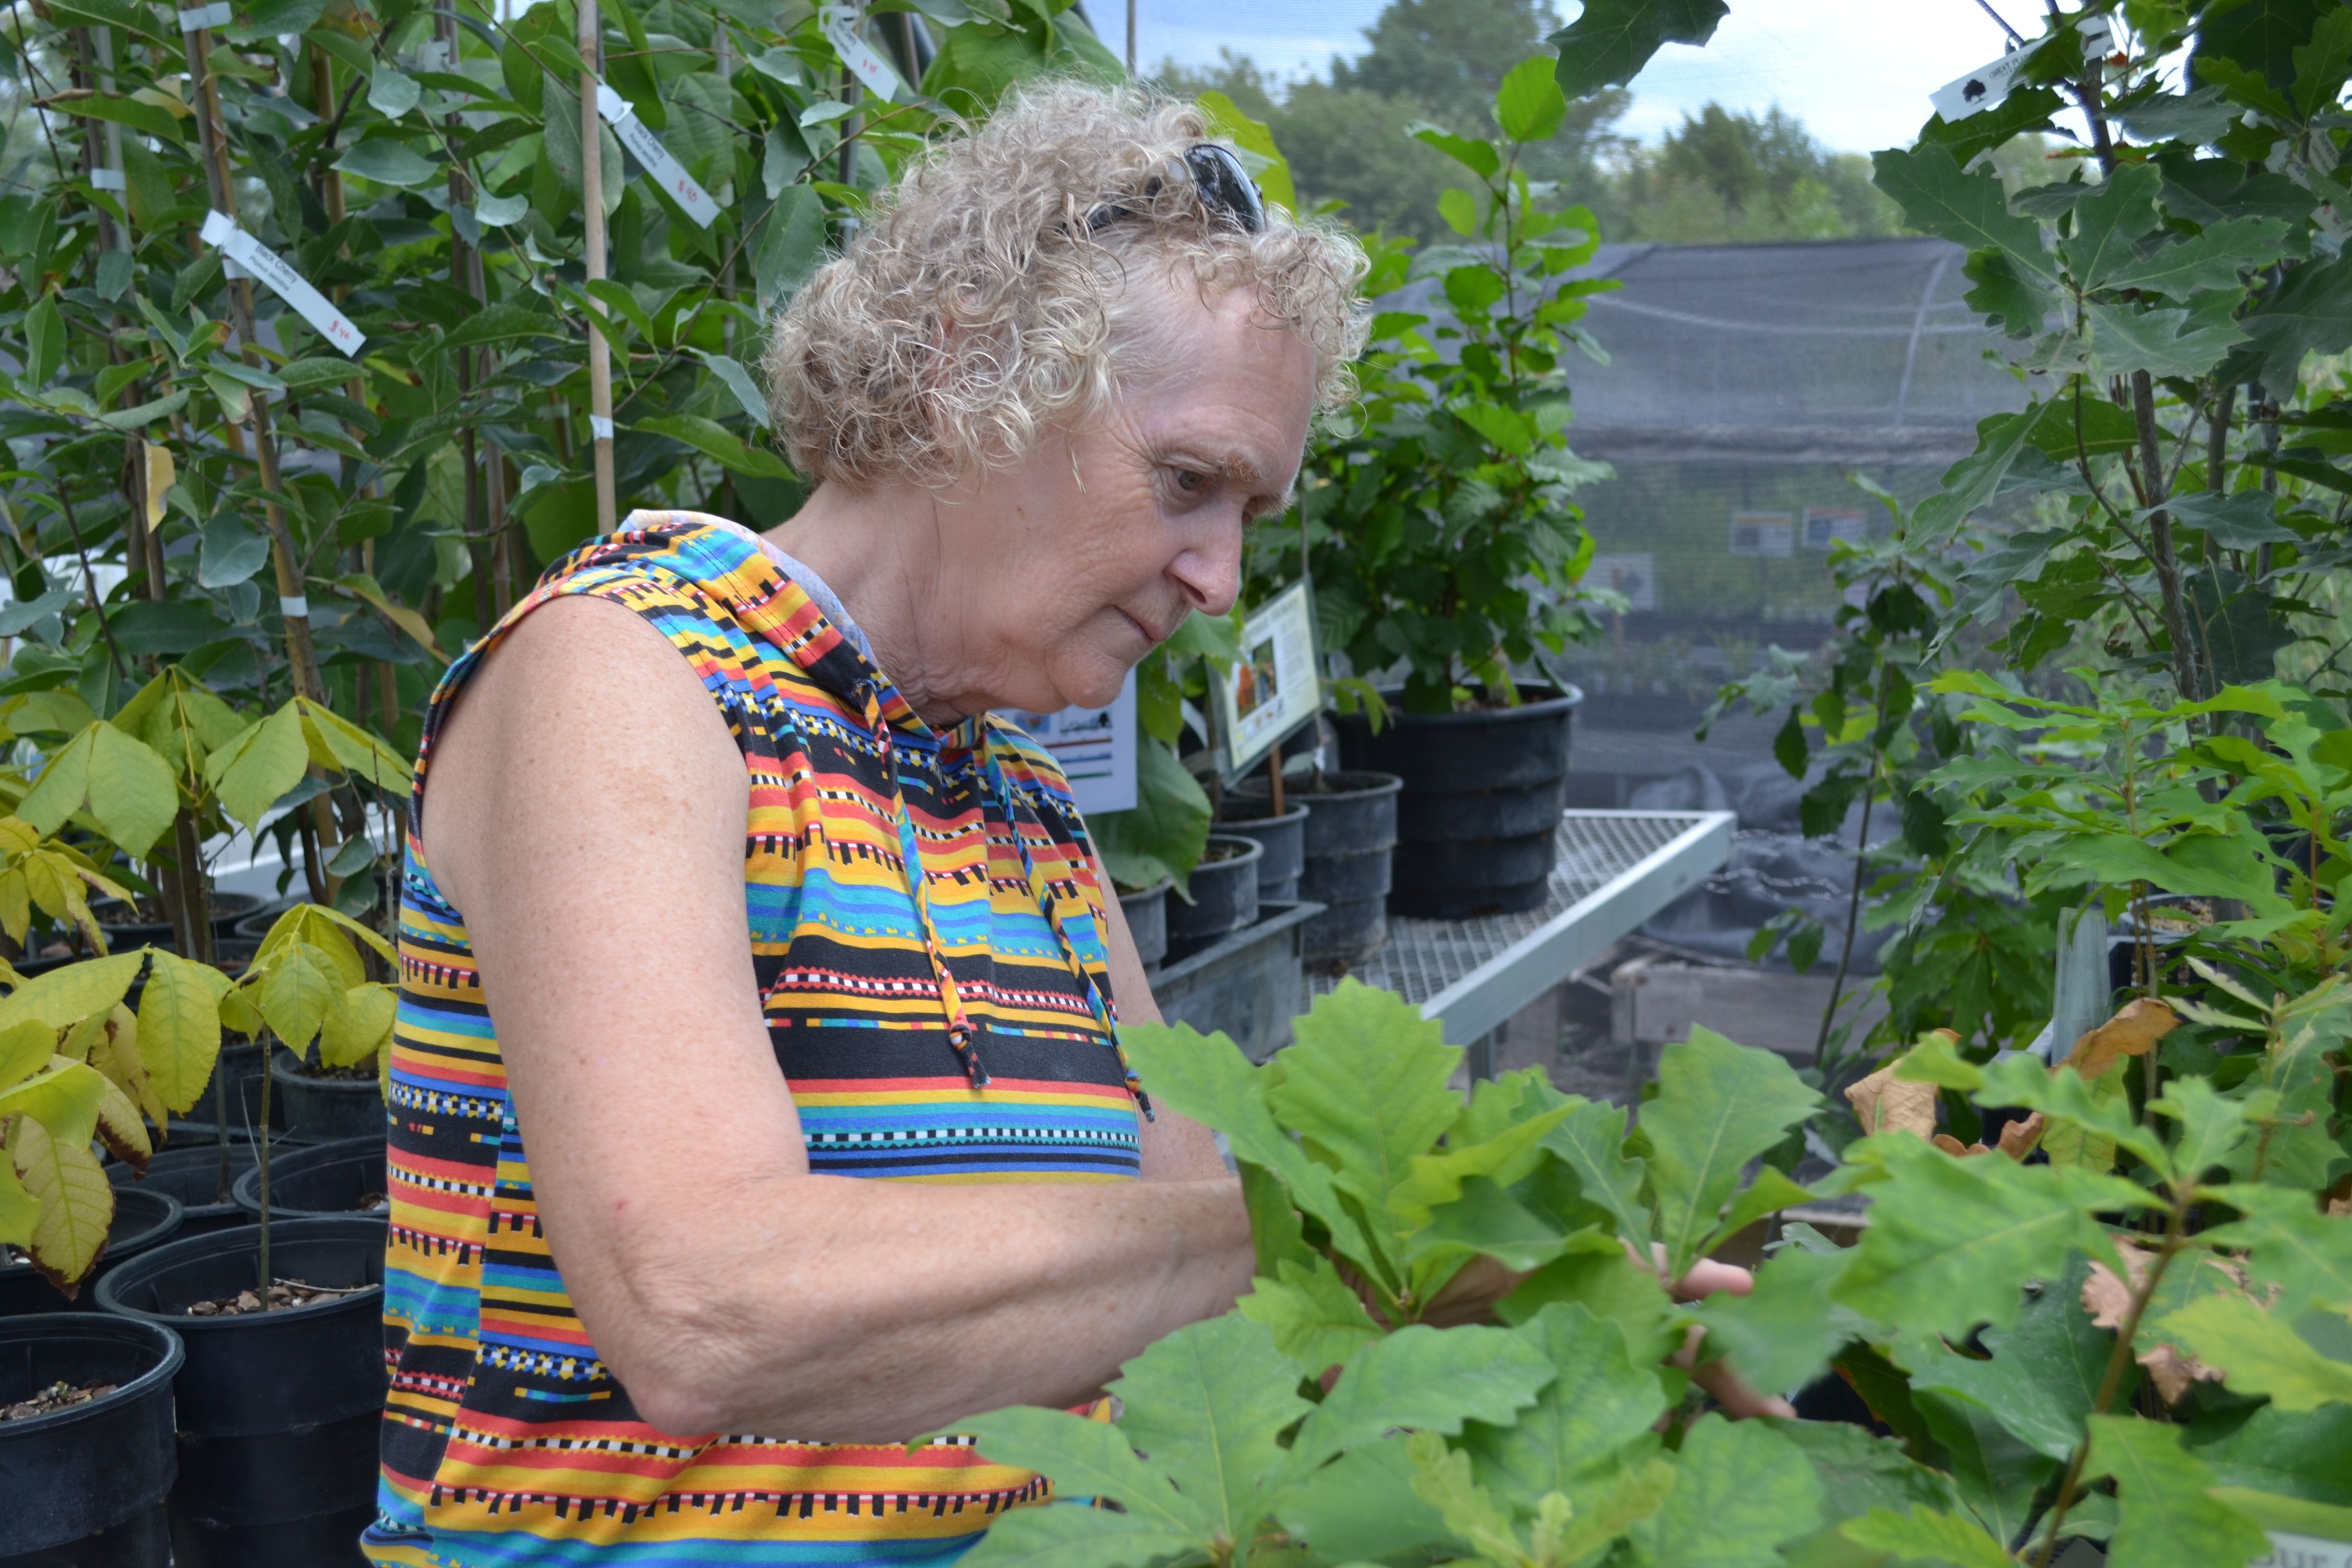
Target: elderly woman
726, 893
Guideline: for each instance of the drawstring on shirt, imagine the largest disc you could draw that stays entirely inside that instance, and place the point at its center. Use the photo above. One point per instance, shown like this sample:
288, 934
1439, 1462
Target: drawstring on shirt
959, 1030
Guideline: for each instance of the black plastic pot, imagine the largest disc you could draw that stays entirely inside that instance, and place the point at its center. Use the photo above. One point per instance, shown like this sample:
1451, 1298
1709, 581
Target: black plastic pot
255, 926
1285, 838
123, 931
339, 1178
1147, 919
277, 1411
326, 1110
1351, 828
141, 1221
190, 1172
1478, 823
1225, 896
85, 1486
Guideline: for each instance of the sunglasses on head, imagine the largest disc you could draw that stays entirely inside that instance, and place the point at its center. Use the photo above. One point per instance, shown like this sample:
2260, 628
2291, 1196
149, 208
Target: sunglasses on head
1225, 185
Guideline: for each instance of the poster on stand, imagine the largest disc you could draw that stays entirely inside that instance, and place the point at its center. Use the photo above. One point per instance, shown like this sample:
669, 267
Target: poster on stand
1272, 689
1096, 747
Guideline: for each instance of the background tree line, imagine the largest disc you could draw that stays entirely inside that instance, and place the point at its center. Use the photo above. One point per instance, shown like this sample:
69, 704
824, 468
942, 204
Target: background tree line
1721, 176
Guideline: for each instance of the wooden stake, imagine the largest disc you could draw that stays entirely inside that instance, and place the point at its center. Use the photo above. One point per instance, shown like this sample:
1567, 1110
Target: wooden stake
591, 200
1273, 778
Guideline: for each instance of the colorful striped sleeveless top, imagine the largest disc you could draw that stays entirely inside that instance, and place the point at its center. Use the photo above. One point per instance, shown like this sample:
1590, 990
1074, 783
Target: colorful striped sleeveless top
925, 925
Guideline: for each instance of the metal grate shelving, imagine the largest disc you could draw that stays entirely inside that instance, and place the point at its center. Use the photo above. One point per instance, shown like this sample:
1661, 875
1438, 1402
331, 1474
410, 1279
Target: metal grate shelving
1616, 869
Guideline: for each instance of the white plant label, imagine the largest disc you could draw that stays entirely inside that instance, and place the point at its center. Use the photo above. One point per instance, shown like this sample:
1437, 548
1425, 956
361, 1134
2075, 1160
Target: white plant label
600, 427
106, 179
222, 233
294, 605
196, 18
1988, 85
864, 62
647, 149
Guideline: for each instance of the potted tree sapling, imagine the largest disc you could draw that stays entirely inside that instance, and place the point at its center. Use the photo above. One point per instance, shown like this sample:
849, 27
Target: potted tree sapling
1442, 537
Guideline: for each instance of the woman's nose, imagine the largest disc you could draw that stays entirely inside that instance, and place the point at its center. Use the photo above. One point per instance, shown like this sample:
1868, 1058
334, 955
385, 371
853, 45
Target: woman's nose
1209, 570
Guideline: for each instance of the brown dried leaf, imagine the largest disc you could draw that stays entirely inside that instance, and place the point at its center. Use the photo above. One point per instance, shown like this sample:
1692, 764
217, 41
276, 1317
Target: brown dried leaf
2172, 1371
1952, 1146
2018, 1138
1886, 1103
2132, 1032
2104, 1295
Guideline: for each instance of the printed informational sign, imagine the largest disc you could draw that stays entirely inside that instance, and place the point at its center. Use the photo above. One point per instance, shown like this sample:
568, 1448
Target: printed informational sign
1768, 533
1272, 688
1096, 747
1633, 574
2292, 1551
1823, 524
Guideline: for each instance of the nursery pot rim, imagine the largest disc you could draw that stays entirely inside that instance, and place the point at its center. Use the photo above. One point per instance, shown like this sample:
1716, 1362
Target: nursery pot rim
1299, 812
246, 1191
1564, 697
1160, 885
1255, 852
147, 1330
1385, 783
138, 1243
246, 1239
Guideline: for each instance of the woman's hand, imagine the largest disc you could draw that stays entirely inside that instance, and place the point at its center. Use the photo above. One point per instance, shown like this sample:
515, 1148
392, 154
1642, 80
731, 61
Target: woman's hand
1704, 1279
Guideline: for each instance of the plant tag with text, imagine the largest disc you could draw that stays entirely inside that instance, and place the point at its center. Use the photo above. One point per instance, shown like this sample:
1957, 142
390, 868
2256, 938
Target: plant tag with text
864, 62
647, 149
1988, 85
221, 232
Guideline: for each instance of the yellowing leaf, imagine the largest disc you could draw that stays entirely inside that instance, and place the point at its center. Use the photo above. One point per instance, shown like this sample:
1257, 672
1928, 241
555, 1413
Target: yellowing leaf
2257, 1353
114, 1051
357, 1026
64, 997
338, 744
295, 995
76, 1201
162, 472
120, 1128
19, 1213
1886, 1103
2132, 1032
263, 762
363, 588
238, 1012
64, 1099
180, 1028
24, 1050
129, 789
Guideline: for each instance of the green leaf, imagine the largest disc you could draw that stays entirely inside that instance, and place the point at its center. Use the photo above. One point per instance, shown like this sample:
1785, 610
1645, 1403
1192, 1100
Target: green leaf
1971, 483
1459, 209
1436, 1179
392, 93
1781, 1335
1165, 834
1316, 1319
791, 247
2293, 1250
2041, 1376
1364, 1087
2168, 1521
1425, 1379
1926, 1535
2292, 1515
2259, 1353
714, 440
356, 1026
2216, 258
1950, 1238
76, 1201
1599, 1403
2310, 313
1859, 1472
45, 341
738, 381
20, 1212
1471, 152
1719, 1105
2304, 1454
295, 995
64, 997
2107, 221
1740, 1489
66, 1101
262, 764
1086, 1458
388, 161
1208, 1405
1970, 210
1361, 1506
1590, 1141
1996, 1475
1529, 106
1611, 40
1074, 1536
501, 322
1267, 165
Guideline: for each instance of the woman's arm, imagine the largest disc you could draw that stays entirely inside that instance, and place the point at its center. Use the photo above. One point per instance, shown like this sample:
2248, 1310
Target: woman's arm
1175, 1148
587, 812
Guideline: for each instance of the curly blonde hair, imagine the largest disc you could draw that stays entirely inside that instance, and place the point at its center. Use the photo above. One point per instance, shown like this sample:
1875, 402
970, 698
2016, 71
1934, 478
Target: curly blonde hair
975, 309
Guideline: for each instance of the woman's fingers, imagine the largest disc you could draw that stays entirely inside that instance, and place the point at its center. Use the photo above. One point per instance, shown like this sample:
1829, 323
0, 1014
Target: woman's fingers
1702, 1279
1729, 1390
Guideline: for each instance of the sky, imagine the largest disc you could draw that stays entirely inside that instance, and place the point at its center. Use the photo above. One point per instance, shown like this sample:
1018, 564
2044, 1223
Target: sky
1857, 72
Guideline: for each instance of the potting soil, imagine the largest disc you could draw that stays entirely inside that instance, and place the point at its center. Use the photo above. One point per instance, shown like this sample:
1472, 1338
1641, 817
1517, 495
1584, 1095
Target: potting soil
56, 1397
283, 1294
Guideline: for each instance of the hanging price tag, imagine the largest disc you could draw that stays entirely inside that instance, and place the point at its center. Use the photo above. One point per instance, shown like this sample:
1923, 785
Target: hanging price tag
221, 232
648, 150
197, 17
864, 62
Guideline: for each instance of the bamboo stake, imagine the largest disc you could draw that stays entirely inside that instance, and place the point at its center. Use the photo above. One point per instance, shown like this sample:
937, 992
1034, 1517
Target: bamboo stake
591, 202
